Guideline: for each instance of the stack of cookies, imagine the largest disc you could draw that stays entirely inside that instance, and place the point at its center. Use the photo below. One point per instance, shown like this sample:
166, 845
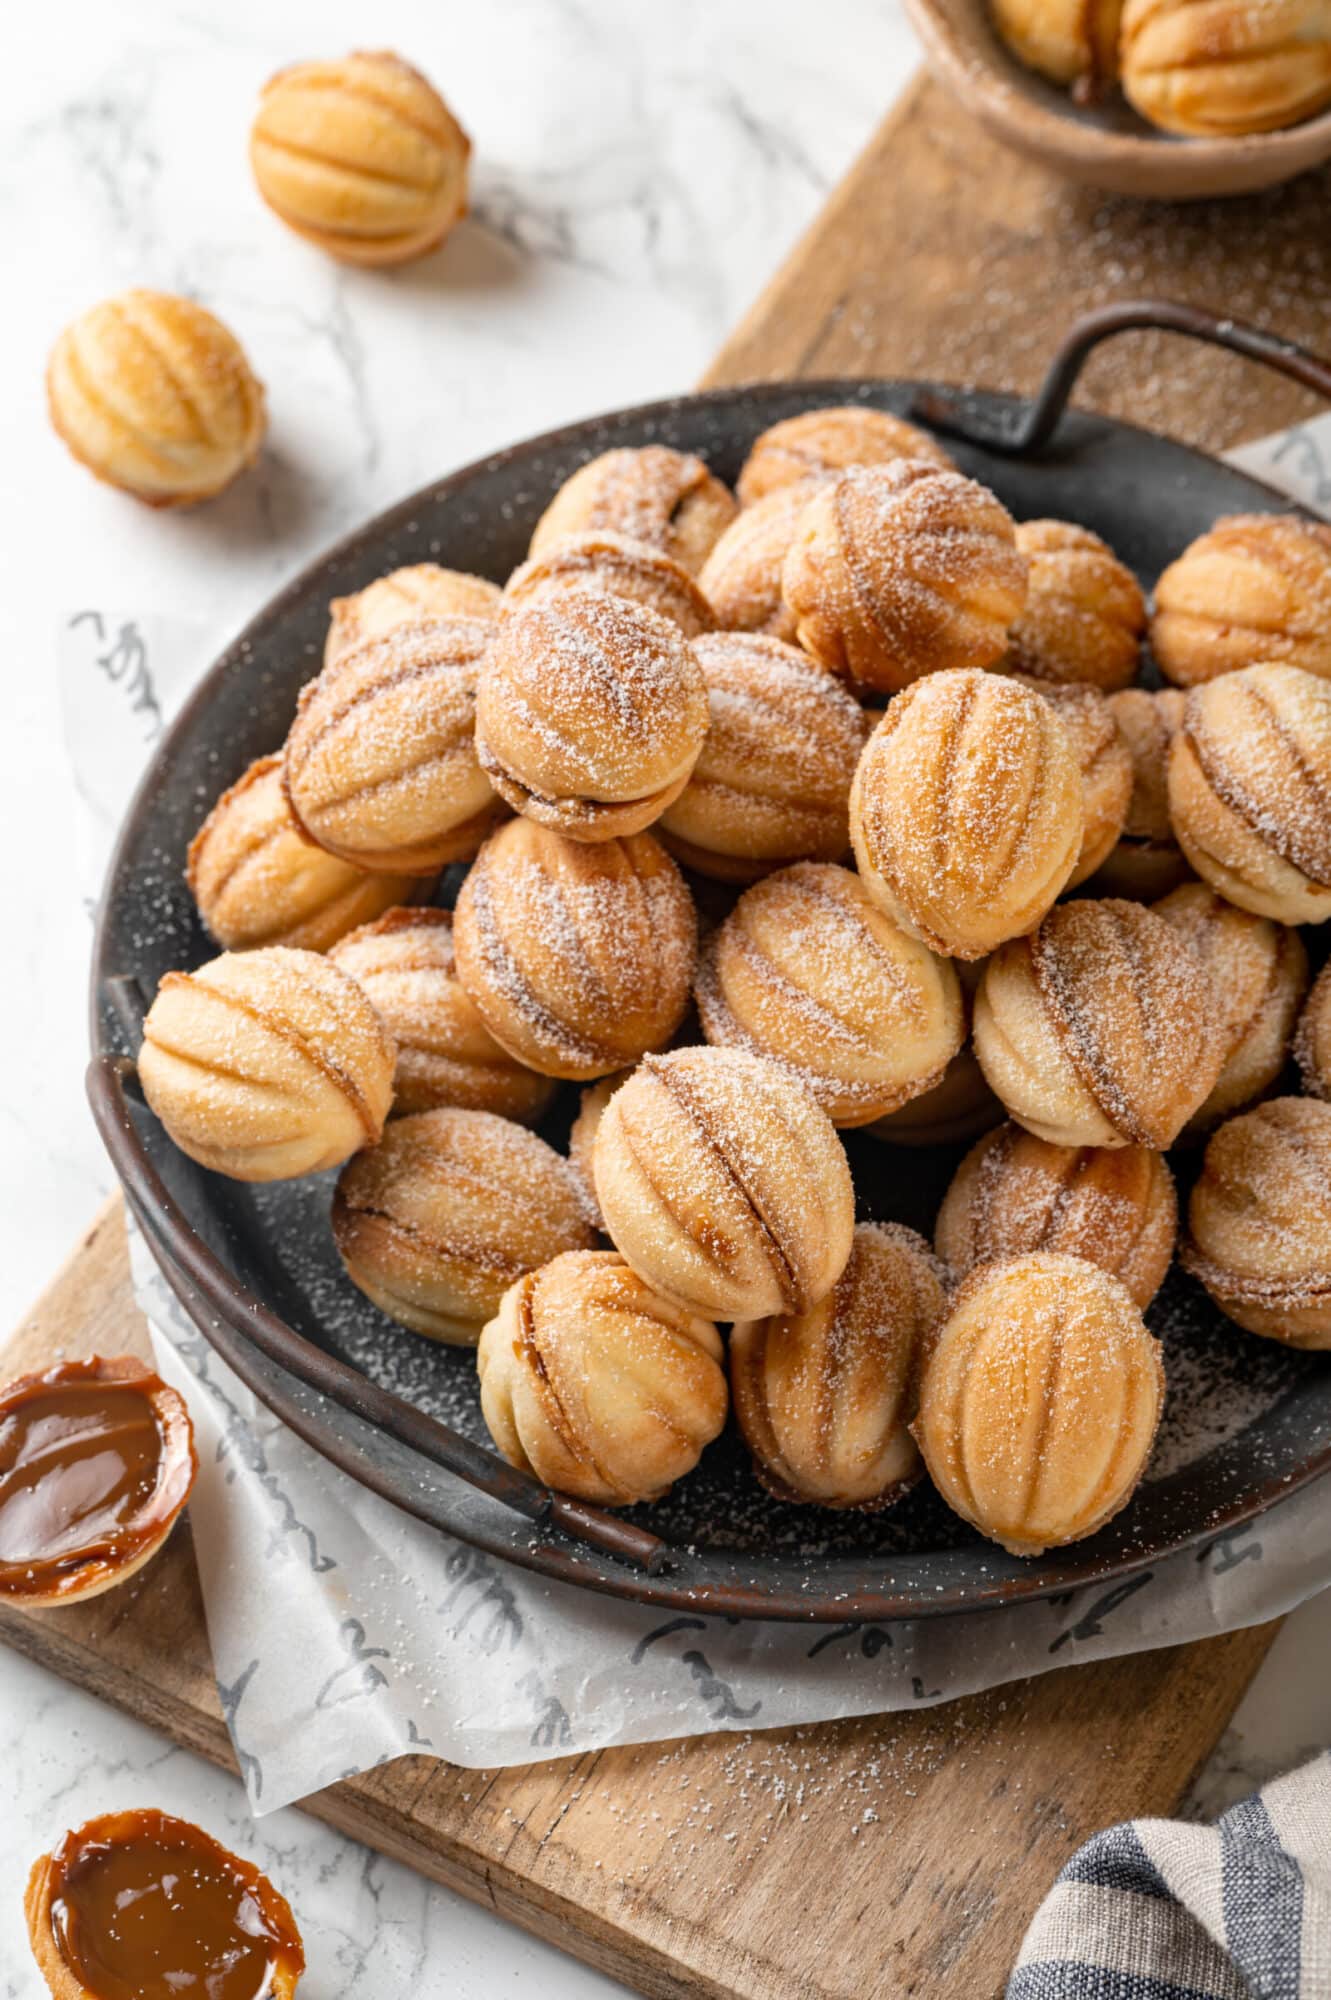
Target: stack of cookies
772, 806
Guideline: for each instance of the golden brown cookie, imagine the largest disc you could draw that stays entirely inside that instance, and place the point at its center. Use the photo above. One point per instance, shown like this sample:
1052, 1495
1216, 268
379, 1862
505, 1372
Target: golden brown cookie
772, 780
1101, 1028
1014, 1193
822, 444
1250, 790
966, 811
602, 564
1072, 42
650, 493
724, 1185
361, 157
1312, 1042
742, 575
578, 958
1104, 762
447, 1211
1147, 861
597, 1384
129, 1892
380, 765
1255, 587
258, 881
266, 1064
406, 597
1259, 1221
155, 396
591, 714
1259, 974
1040, 1400
1221, 69
1085, 613
807, 970
592, 1101
824, 1397
898, 571
404, 964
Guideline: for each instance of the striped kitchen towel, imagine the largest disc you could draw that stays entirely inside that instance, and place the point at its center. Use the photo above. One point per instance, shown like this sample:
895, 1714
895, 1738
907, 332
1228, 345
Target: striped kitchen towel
1159, 1910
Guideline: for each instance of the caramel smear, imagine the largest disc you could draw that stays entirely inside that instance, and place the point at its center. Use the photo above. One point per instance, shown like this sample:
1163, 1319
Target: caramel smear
96, 1461
146, 1907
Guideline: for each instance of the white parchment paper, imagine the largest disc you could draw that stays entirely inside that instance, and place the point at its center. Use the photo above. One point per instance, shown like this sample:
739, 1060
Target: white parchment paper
345, 1634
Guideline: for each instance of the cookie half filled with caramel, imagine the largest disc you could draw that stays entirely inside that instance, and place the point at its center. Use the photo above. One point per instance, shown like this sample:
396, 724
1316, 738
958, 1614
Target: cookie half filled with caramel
141, 1906
96, 1463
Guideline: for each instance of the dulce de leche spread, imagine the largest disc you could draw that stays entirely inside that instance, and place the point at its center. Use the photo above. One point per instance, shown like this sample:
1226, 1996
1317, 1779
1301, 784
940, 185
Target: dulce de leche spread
141, 1906
96, 1461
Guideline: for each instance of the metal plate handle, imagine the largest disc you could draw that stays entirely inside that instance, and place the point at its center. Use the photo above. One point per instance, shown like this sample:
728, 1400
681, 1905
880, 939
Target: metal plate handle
1026, 430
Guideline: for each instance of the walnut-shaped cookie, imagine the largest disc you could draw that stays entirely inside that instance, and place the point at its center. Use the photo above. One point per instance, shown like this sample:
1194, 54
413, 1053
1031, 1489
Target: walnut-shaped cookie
1101, 1028
966, 811
258, 881
1014, 1193
1147, 861
1312, 1041
1220, 69
603, 564
1250, 790
1259, 1221
155, 396
405, 965
1254, 587
724, 1184
772, 780
590, 715
406, 597
824, 1397
579, 958
1259, 974
742, 576
809, 971
898, 571
822, 444
447, 1211
1040, 1400
959, 1107
597, 1384
1104, 762
1085, 613
380, 766
1069, 41
592, 1101
266, 1064
650, 493
361, 157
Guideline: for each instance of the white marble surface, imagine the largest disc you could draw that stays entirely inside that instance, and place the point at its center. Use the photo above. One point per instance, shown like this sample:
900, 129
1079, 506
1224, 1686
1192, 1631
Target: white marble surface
640, 170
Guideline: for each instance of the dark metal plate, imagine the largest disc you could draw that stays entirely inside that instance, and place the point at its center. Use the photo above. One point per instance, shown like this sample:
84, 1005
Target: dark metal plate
1247, 1421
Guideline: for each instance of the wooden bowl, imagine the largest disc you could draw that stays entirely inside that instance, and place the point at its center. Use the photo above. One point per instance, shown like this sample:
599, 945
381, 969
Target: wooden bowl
1106, 145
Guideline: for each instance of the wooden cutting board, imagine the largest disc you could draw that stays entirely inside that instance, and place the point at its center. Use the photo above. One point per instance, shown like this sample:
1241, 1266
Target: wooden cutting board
893, 1855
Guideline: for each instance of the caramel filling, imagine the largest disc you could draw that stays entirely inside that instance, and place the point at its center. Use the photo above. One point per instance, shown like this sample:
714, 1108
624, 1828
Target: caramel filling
86, 1477
160, 1912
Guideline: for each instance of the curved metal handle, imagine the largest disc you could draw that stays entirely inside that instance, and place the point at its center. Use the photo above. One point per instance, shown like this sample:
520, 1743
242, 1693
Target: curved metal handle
1023, 431
199, 1279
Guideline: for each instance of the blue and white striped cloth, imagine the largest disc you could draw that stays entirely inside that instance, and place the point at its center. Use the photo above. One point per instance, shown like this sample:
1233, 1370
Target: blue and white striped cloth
1159, 1910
